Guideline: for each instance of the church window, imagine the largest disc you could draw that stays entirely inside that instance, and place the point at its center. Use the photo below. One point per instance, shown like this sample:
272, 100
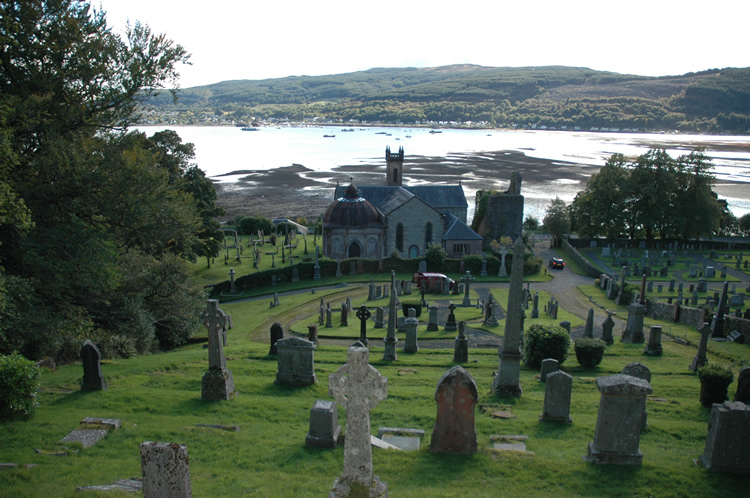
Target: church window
427, 235
354, 249
413, 252
400, 237
395, 175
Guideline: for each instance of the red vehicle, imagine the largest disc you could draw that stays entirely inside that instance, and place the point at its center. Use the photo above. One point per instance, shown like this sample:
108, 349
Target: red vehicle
434, 281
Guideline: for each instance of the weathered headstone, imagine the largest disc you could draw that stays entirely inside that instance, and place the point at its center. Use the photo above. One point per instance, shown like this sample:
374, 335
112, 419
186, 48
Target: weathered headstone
217, 383
589, 328
535, 310
456, 396
312, 333
277, 333
549, 365
324, 425
379, 317
700, 358
296, 362
450, 322
743, 386
618, 424
566, 325
642, 372
728, 438
432, 324
607, 328
411, 344
93, 380
653, 347
461, 348
358, 387
507, 380
557, 398
165, 469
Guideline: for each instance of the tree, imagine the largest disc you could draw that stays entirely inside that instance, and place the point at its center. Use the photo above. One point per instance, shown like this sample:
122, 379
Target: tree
435, 256
699, 207
744, 224
601, 207
531, 223
557, 220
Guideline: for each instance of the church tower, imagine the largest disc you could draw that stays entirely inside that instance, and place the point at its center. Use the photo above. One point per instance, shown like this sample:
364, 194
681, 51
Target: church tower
394, 166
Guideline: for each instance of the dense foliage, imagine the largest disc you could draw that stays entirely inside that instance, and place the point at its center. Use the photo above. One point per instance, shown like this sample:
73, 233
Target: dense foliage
589, 351
652, 195
19, 383
95, 222
715, 380
529, 97
545, 341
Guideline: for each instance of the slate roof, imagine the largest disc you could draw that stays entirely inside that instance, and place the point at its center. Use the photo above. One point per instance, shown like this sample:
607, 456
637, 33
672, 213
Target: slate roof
437, 196
455, 229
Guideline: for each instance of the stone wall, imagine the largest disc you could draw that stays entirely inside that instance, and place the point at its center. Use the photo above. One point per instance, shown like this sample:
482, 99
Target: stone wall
664, 311
503, 217
584, 263
739, 324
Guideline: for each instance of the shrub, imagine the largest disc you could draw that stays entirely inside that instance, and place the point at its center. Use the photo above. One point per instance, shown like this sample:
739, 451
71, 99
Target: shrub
19, 381
589, 352
715, 380
545, 341
435, 257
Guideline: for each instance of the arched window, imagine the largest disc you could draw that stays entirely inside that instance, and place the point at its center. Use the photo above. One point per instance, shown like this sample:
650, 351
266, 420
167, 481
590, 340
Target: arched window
413, 252
354, 249
395, 175
400, 237
427, 235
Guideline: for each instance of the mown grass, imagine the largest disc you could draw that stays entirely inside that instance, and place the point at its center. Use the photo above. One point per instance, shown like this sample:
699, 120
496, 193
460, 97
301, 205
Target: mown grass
158, 398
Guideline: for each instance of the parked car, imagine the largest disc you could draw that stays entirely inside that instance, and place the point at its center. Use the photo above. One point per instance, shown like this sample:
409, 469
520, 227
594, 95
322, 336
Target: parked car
433, 281
557, 263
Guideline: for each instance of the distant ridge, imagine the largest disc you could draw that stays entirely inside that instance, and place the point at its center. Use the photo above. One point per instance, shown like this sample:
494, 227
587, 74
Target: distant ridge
555, 97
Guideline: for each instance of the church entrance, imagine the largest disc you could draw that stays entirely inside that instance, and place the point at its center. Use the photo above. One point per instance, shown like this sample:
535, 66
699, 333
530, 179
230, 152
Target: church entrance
355, 250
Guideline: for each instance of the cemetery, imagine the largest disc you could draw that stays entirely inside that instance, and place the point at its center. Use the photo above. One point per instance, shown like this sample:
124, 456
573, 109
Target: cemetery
340, 388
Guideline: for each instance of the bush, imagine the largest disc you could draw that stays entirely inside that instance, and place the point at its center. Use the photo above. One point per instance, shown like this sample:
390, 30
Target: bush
589, 352
715, 380
545, 341
19, 382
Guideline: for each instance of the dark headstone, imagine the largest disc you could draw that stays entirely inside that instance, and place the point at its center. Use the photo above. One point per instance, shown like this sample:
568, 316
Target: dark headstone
728, 439
324, 425
277, 333
93, 380
456, 396
743, 386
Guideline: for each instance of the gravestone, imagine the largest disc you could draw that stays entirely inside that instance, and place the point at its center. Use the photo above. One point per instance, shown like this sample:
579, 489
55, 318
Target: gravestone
296, 358
589, 328
322, 313
700, 358
411, 344
535, 310
654, 348
344, 315
379, 317
743, 386
450, 323
502, 272
165, 469
461, 348
642, 372
329, 315
671, 285
467, 279
702, 286
549, 365
728, 438
710, 272
217, 383
371, 296
312, 333
324, 425
507, 381
618, 424
483, 268
557, 398
633, 333
93, 380
277, 333
363, 314
456, 396
717, 326
358, 387
607, 327
432, 323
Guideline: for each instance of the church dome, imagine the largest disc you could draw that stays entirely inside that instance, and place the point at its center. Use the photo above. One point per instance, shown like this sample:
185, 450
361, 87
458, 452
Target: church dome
352, 211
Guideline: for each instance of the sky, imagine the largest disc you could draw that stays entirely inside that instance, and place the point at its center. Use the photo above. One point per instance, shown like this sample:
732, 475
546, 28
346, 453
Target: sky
259, 39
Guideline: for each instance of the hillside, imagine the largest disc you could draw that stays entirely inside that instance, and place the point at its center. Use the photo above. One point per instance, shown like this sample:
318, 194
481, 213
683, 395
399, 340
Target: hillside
528, 97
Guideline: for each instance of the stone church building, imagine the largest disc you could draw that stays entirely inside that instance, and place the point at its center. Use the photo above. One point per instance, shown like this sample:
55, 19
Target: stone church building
373, 221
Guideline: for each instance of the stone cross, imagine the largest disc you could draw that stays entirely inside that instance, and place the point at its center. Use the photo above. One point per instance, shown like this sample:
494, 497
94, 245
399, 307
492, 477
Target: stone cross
456, 396
700, 358
214, 319
507, 380
503, 272
450, 323
467, 279
358, 387
93, 380
232, 289
363, 314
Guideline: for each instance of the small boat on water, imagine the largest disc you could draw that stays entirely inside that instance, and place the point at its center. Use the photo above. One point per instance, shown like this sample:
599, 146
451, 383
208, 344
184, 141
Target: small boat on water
249, 128
329, 136
435, 131
347, 129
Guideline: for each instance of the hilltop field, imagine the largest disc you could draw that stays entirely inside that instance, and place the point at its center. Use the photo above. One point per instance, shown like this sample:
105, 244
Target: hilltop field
158, 398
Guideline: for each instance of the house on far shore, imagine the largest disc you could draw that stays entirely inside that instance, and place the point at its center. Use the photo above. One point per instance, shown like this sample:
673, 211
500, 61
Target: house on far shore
373, 221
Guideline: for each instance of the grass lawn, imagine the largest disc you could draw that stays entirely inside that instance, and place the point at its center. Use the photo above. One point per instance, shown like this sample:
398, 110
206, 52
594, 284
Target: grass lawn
158, 398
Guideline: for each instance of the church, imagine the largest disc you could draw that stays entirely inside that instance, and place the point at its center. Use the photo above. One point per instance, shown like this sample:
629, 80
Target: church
374, 221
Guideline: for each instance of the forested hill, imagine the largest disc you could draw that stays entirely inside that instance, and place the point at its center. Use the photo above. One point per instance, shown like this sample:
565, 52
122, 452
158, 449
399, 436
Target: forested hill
552, 96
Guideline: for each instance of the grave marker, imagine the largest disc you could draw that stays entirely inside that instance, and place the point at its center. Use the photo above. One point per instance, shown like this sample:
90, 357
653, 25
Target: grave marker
456, 396
93, 380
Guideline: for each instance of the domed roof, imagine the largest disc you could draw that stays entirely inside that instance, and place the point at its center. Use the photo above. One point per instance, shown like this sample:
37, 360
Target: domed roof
352, 211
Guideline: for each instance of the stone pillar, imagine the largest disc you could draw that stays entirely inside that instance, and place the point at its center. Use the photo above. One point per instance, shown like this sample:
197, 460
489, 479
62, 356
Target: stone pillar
589, 329
390, 339
432, 324
411, 345
618, 425
507, 380
165, 470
